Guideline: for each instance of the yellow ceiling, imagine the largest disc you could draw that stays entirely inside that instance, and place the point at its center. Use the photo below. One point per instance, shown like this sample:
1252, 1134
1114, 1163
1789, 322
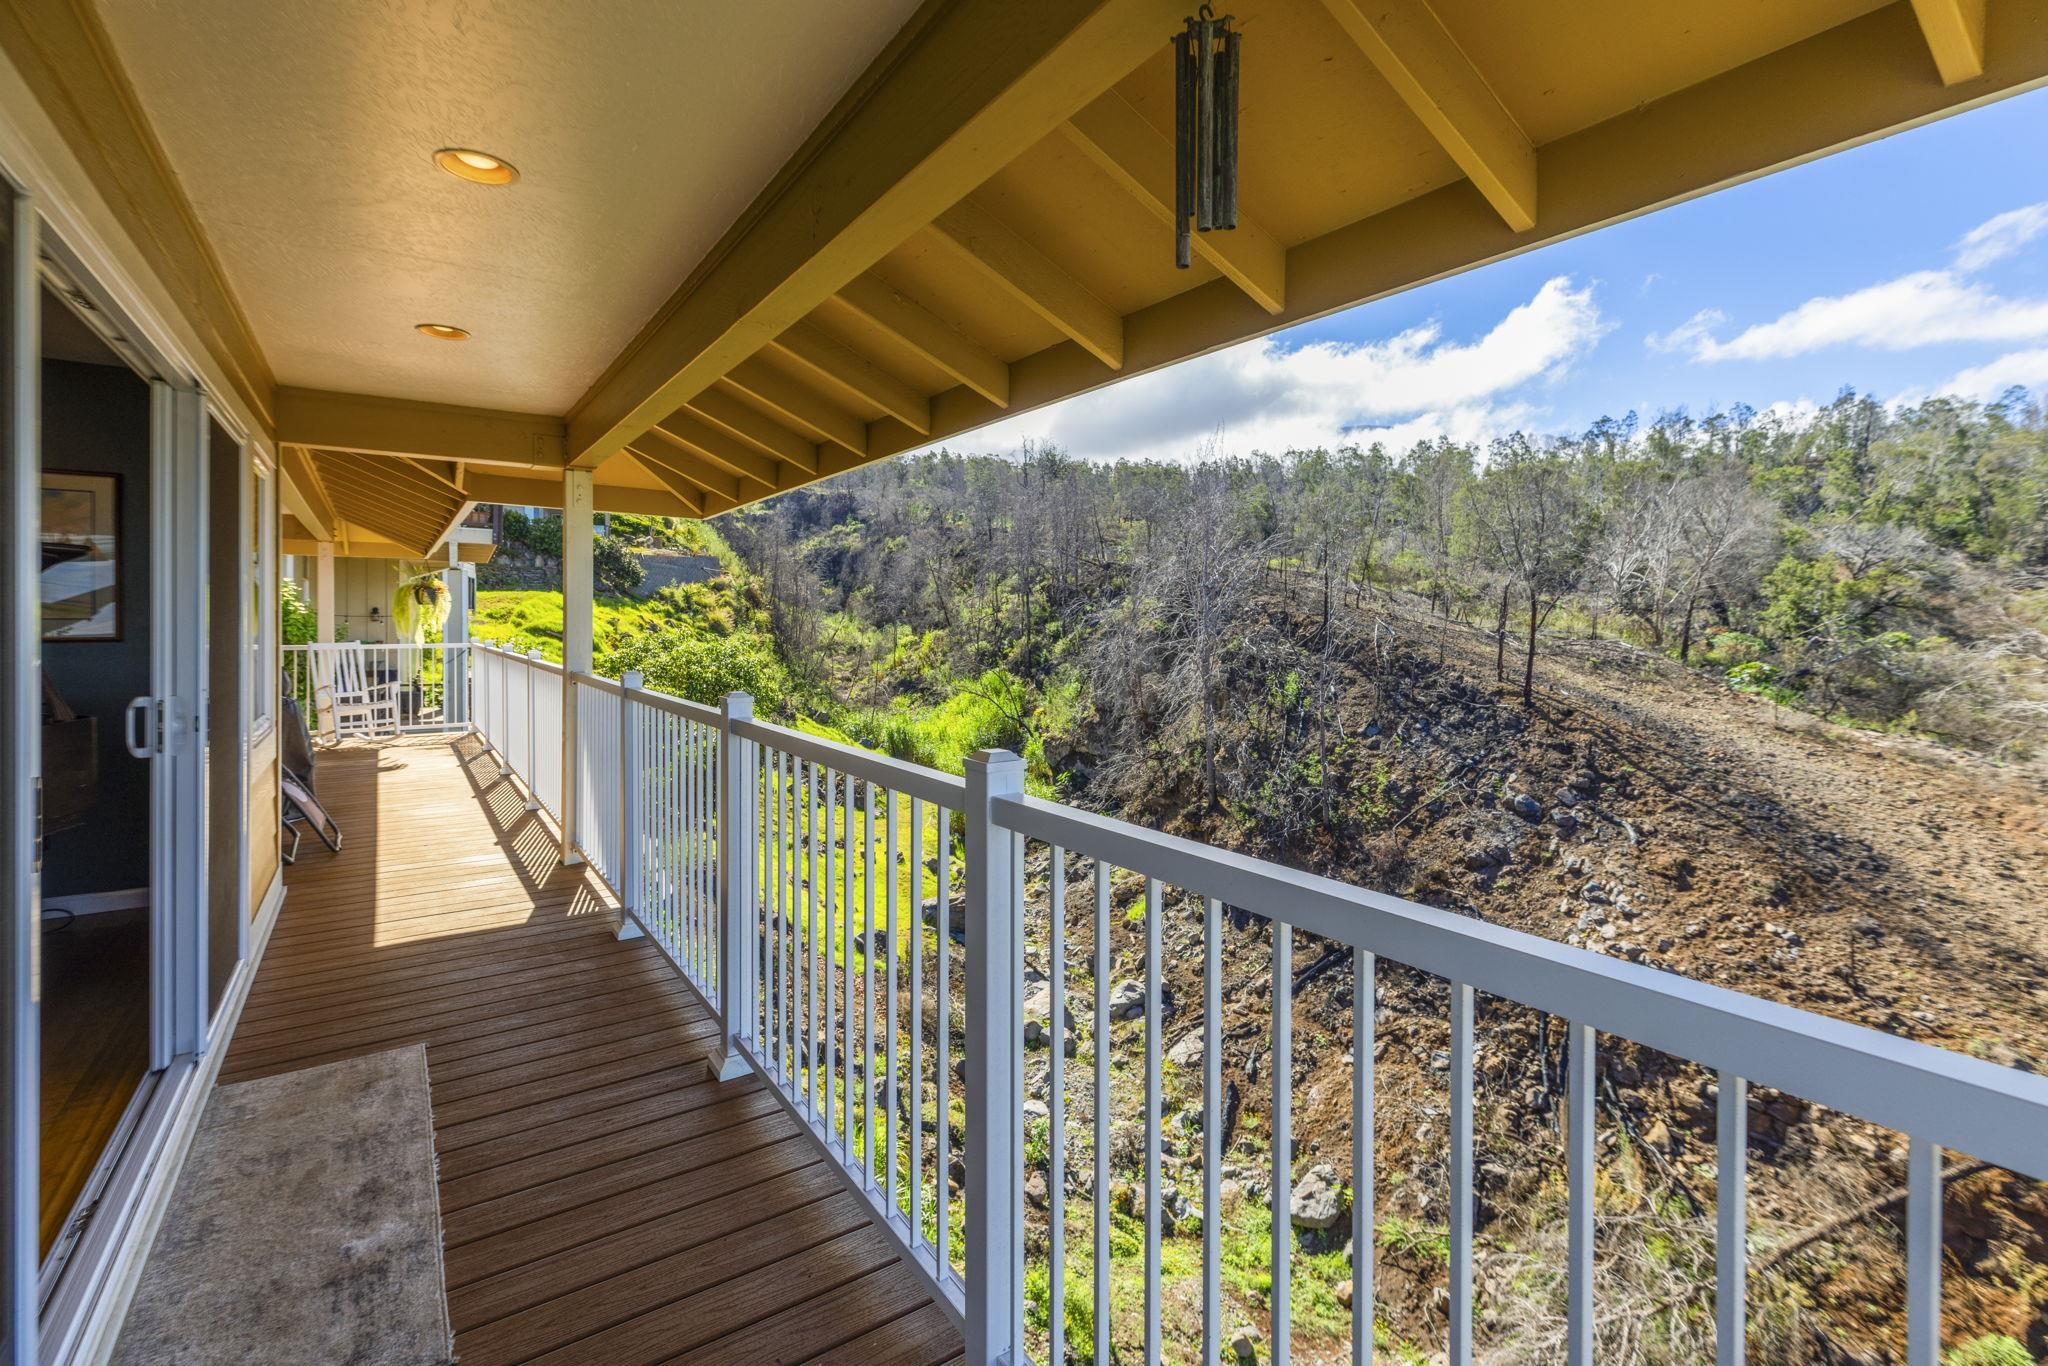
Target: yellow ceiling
756, 245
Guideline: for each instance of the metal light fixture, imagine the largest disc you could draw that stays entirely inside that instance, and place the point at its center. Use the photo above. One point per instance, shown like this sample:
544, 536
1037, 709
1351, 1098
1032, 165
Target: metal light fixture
442, 331
1205, 69
479, 167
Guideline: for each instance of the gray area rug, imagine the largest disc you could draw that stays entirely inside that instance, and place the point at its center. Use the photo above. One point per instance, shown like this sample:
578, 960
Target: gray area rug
305, 1226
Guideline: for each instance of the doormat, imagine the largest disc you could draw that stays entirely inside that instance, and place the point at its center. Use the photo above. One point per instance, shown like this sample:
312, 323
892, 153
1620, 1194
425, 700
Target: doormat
306, 1226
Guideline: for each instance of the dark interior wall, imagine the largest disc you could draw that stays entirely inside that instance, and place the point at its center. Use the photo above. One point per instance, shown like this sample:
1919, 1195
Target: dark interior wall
96, 419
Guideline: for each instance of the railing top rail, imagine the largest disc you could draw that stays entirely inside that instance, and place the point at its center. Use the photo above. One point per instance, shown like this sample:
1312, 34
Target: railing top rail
597, 684
677, 706
1994, 1113
911, 779
309, 646
507, 652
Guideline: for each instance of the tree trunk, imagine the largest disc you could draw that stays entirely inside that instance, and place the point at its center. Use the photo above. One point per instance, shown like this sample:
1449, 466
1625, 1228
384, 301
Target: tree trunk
1500, 639
1529, 661
1685, 633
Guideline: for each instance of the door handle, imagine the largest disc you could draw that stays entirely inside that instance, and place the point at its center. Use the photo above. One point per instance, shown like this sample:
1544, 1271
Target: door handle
144, 746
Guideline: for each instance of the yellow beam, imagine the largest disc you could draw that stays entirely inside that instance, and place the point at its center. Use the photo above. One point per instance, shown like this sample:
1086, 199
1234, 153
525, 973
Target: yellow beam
469, 552
937, 341
836, 363
1955, 35
792, 400
720, 405
301, 493
513, 490
1041, 286
684, 470
436, 431
1420, 59
719, 447
1139, 157
964, 90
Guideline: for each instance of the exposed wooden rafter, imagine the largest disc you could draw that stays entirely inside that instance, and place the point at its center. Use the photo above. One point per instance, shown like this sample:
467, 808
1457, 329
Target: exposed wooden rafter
831, 360
519, 490
313, 507
722, 405
878, 301
682, 470
722, 449
965, 90
1139, 157
800, 405
1418, 57
1955, 36
1033, 280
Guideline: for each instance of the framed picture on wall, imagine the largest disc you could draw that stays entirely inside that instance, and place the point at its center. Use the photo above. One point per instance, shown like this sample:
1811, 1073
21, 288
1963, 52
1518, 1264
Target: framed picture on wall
81, 574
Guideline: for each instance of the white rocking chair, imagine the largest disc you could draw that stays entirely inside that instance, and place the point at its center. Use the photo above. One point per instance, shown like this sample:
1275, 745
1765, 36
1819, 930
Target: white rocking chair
348, 702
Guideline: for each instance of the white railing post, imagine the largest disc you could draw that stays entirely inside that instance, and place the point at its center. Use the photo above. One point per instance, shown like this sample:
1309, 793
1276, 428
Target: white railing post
631, 890
572, 781
532, 774
994, 1278
735, 886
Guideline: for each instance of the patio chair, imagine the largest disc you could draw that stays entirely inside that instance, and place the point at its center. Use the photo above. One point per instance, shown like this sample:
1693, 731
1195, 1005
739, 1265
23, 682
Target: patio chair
301, 806
348, 701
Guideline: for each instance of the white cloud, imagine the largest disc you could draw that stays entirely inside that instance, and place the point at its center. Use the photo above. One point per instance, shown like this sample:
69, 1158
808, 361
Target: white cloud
1997, 238
2028, 369
1263, 396
1922, 308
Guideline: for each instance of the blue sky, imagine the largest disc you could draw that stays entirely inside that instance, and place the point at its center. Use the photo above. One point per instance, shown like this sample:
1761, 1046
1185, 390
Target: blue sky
1915, 265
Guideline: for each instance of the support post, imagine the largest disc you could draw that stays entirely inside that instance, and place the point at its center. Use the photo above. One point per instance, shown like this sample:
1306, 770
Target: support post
456, 708
631, 893
323, 632
994, 1278
532, 750
578, 654
735, 886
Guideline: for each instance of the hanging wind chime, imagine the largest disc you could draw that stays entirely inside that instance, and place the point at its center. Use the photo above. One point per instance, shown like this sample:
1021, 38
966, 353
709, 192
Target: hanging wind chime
1205, 66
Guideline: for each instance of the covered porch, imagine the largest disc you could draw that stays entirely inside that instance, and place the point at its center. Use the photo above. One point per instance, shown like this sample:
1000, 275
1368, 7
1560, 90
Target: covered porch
604, 1197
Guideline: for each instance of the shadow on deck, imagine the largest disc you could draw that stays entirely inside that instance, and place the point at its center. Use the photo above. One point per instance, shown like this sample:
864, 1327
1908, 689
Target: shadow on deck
603, 1199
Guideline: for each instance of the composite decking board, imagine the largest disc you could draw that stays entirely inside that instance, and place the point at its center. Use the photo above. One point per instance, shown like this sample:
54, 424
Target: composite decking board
593, 1176
733, 1160
752, 1234
923, 1337
542, 1287
574, 979
532, 1075
731, 1306
637, 976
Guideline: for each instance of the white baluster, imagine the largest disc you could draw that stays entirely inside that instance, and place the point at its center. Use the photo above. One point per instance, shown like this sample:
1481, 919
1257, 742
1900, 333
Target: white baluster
994, 1280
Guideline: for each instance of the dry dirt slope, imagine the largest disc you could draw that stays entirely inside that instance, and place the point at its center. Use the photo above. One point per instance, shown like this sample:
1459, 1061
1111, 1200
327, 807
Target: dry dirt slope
1672, 821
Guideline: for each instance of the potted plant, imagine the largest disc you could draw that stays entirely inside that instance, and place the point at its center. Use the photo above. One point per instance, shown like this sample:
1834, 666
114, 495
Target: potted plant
419, 613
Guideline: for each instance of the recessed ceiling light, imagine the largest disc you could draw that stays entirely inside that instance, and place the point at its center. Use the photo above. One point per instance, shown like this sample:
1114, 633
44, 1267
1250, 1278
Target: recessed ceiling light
481, 167
442, 331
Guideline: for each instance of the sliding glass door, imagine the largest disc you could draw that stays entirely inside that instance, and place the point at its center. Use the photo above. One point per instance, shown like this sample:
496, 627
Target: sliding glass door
20, 781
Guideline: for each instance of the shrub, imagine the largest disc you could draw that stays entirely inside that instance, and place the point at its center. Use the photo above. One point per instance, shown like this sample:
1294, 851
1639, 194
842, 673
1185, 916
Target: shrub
705, 668
296, 618
616, 570
1993, 1349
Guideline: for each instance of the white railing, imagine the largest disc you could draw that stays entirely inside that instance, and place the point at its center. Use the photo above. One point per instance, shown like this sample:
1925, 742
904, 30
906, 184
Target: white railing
861, 926
428, 684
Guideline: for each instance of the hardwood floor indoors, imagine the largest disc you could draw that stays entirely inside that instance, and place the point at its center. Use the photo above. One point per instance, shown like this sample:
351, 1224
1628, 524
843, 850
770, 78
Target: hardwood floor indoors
603, 1199
95, 1048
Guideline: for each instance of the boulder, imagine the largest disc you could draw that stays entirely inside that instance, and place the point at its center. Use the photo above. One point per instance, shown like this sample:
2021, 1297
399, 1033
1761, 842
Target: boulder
1488, 856
1244, 1343
1127, 1001
1186, 1053
1526, 806
1318, 1200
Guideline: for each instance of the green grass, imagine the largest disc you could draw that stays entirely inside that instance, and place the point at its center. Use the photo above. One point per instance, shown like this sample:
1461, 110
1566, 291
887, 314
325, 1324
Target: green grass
531, 619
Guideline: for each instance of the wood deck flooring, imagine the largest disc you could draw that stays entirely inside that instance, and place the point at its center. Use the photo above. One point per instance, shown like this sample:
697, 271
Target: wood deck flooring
603, 1199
